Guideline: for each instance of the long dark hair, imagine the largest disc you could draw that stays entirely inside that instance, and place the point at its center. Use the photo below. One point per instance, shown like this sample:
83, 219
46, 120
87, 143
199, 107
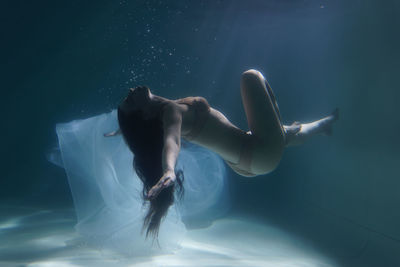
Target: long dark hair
145, 139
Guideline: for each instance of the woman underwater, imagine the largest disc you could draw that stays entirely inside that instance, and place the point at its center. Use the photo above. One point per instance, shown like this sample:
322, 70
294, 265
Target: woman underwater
152, 127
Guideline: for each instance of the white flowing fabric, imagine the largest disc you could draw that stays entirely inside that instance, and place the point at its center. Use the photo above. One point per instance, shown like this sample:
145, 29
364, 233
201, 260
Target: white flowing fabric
107, 192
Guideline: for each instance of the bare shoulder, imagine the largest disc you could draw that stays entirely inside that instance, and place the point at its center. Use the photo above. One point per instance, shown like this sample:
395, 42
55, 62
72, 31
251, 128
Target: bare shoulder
172, 112
174, 106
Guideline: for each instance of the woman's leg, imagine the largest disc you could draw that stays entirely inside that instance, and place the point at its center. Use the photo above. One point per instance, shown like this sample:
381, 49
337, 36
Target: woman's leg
307, 130
267, 138
263, 149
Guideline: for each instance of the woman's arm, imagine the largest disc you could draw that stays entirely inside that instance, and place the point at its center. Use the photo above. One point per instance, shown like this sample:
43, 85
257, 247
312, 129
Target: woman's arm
172, 122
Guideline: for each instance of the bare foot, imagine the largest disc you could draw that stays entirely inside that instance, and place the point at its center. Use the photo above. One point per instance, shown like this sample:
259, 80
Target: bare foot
297, 134
327, 126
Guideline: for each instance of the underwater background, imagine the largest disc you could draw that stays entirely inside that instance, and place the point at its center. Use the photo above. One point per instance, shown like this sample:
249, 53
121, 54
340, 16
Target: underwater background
66, 60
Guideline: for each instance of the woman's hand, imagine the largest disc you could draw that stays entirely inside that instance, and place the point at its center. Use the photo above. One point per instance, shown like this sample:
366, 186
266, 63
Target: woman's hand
114, 133
168, 179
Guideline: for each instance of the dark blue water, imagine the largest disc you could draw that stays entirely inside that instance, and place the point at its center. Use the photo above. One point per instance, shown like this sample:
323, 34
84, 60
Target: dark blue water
74, 60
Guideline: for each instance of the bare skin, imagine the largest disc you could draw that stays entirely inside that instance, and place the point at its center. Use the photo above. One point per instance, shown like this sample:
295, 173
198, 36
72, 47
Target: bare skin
263, 144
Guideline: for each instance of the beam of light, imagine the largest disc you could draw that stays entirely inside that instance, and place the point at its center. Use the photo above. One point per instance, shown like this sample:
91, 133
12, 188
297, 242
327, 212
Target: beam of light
227, 242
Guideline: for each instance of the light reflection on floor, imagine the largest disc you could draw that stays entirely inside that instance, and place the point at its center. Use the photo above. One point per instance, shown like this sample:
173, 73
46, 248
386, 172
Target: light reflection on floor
33, 238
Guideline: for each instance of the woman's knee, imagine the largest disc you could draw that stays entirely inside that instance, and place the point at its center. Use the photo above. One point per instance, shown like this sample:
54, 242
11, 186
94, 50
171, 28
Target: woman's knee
252, 77
252, 82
